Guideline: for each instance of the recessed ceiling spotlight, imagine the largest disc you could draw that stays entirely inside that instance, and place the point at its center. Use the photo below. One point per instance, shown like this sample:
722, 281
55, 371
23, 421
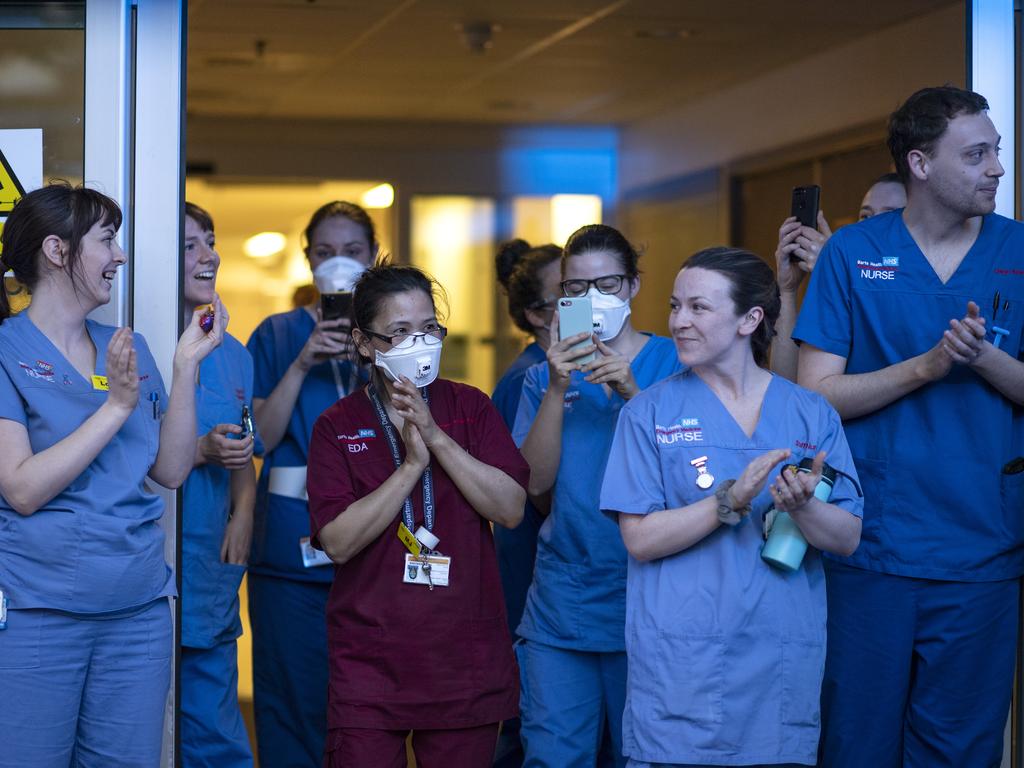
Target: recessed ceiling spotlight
662, 33
478, 35
264, 245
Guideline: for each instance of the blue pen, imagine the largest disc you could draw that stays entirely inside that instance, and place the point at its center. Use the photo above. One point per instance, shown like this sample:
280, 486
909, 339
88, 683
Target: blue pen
999, 333
154, 398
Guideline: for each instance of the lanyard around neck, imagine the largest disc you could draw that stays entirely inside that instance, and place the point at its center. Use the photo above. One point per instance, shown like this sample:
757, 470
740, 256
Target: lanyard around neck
428, 478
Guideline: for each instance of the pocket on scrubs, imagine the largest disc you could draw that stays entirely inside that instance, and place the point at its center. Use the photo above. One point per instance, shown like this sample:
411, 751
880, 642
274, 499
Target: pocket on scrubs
493, 661
1011, 491
682, 680
803, 664
19, 643
874, 481
553, 605
159, 631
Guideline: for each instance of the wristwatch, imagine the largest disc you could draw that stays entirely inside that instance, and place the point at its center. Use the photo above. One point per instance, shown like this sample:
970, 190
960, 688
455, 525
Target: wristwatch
726, 512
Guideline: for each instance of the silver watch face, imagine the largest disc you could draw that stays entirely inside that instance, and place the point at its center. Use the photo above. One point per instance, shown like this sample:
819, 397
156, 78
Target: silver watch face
705, 480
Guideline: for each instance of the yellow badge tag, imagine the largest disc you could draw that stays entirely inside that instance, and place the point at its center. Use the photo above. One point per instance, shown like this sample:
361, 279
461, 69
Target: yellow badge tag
100, 383
406, 537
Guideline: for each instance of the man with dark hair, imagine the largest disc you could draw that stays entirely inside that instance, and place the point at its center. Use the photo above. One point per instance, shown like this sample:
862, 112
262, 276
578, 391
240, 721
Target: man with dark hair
922, 618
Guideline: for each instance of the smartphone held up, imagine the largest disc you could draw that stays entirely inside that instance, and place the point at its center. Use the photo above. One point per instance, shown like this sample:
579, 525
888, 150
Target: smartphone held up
576, 315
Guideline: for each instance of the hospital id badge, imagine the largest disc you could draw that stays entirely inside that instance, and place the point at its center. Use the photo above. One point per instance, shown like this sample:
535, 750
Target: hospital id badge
311, 556
431, 571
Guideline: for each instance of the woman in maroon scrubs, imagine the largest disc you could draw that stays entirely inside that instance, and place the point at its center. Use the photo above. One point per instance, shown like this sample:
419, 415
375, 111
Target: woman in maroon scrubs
405, 477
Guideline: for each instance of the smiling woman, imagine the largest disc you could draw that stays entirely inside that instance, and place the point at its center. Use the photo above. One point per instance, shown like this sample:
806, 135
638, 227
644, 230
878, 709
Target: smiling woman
84, 421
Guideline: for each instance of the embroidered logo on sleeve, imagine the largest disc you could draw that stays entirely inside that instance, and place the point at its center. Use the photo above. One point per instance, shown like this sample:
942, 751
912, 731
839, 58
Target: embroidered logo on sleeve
684, 431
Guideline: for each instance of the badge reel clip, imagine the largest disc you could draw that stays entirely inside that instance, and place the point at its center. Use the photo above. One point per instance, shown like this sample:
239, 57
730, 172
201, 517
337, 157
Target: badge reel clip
427, 565
785, 545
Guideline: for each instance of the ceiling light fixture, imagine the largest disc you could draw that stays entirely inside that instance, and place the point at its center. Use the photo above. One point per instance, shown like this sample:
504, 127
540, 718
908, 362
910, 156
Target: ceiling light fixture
381, 196
264, 245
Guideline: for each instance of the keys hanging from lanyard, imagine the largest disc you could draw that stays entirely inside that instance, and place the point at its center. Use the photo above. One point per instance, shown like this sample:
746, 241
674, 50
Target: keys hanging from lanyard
428, 479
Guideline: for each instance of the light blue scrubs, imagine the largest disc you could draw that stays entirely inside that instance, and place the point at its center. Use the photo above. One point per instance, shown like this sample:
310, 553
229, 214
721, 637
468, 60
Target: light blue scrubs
212, 730
576, 604
725, 652
84, 572
287, 601
938, 509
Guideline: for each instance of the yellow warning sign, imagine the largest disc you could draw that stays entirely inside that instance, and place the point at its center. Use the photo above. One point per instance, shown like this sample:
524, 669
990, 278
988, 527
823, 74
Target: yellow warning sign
11, 190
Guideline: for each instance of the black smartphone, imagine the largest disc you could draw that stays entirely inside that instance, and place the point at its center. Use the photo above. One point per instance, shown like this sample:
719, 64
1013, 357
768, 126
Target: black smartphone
805, 205
334, 306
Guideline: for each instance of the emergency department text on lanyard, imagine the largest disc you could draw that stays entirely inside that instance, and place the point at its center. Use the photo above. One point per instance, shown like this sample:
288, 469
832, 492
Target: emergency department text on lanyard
428, 479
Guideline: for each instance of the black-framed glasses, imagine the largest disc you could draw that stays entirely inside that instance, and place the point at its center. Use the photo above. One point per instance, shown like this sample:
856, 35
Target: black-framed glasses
606, 284
405, 340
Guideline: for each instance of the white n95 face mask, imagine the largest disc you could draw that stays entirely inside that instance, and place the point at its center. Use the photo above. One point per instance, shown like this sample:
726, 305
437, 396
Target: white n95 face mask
337, 274
420, 361
610, 313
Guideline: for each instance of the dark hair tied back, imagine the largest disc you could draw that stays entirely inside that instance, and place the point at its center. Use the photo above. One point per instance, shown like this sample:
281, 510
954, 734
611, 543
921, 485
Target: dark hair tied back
601, 237
346, 210
56, 209
752, 284
518, 266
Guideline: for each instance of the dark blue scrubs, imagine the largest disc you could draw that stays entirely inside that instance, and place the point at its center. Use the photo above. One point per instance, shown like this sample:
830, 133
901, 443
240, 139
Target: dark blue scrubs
288, 601
212, 729
921, 618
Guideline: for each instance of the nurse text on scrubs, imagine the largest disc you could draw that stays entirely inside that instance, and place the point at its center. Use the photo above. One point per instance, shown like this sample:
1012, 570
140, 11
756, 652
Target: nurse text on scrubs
530, 276
217, 511
897, 331
572, 652
405, 478
302, 365
725, 652
85, 657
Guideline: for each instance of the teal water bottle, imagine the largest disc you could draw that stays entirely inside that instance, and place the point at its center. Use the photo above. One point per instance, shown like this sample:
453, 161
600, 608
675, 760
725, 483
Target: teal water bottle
785, 546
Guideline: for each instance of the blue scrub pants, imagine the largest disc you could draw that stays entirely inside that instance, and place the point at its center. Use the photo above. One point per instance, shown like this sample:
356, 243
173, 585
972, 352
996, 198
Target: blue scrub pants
213, 733
567, 700
918, 673
289, 654
84, 690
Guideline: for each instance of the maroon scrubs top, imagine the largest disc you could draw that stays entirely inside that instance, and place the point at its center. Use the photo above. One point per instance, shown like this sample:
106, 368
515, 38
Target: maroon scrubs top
402, 656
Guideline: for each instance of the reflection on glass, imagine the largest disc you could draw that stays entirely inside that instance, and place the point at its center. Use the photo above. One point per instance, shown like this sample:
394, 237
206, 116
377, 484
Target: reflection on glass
42, 85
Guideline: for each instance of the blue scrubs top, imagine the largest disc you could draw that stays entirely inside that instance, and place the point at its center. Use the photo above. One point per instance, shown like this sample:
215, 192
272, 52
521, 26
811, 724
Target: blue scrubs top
936, 503
97, 546
280, 521
209, 587
726, 653
578, 596
516, 547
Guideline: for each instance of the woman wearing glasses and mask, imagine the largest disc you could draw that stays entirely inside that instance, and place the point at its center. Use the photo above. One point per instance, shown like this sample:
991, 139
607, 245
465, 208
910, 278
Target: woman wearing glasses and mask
572, 656
301, 366
405, 478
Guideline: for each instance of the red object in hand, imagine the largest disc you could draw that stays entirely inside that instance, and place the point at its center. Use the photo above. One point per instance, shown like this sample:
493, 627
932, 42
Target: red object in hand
206, 321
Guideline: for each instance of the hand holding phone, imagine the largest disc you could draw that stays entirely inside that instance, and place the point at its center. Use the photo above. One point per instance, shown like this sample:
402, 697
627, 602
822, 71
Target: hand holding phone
576, 315
805, 204
336, 306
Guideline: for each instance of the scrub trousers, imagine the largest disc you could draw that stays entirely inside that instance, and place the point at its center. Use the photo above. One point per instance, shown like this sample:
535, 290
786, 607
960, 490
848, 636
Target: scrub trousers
918, 673
289, 654
568, 700
213, 733
441, 748
84, 690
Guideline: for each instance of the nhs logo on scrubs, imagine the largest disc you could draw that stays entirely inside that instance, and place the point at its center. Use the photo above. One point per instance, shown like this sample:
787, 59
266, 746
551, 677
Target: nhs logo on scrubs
879, 270
367, 433
890, 261
683, 431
